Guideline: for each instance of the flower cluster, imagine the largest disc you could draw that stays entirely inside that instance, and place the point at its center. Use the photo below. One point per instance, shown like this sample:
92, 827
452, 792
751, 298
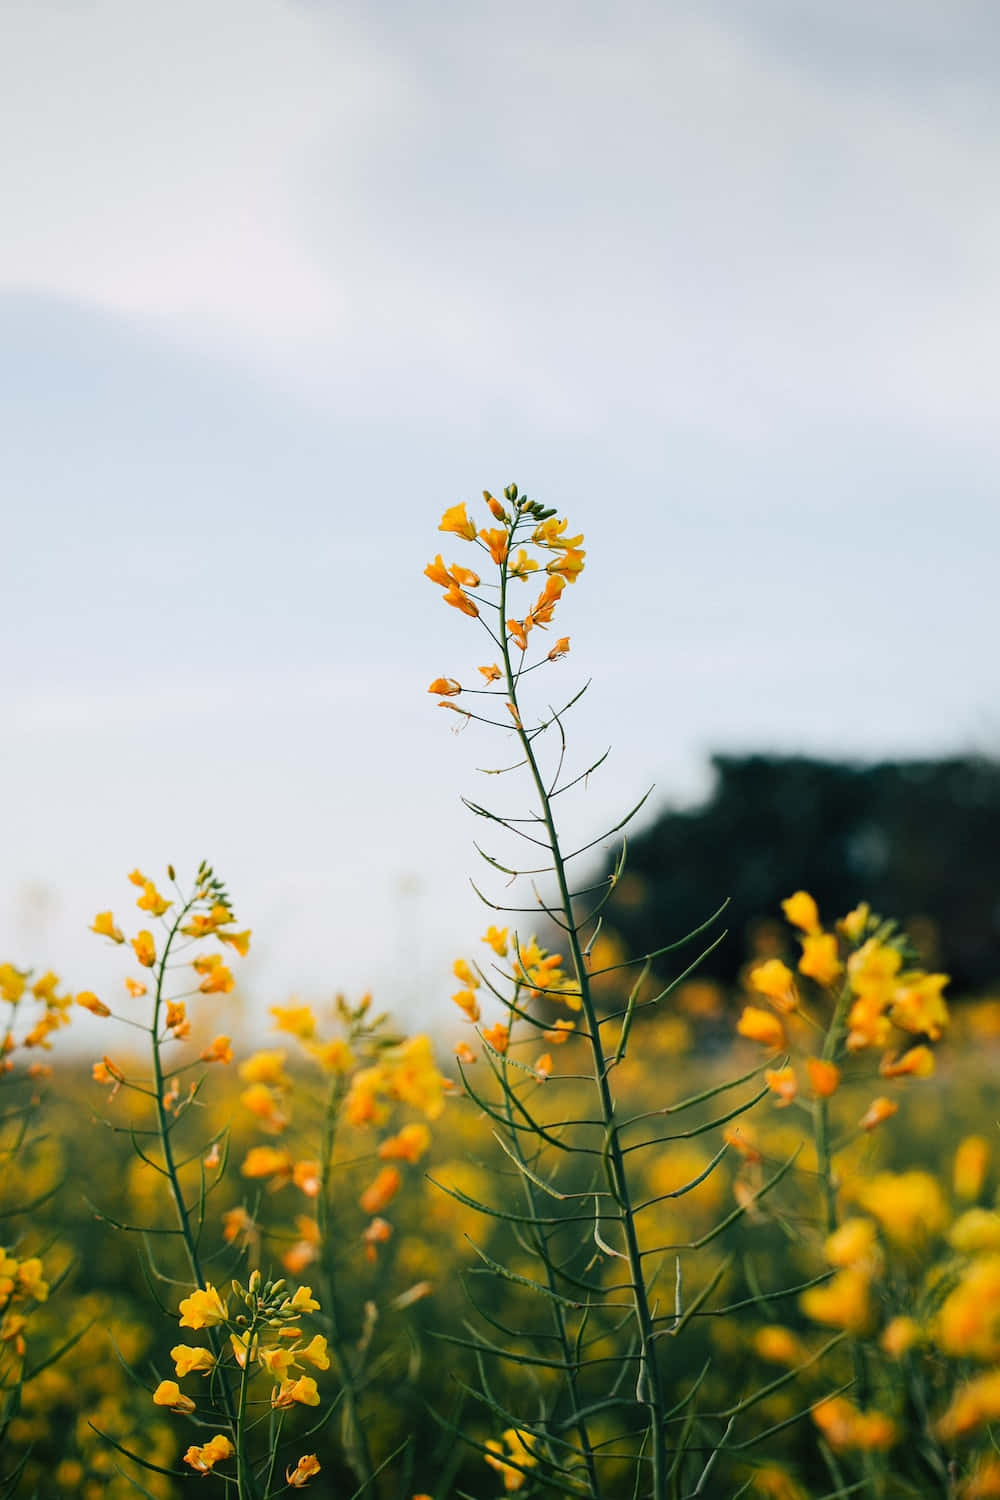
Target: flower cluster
861, 968
263, 1339
528, 541
35, 1009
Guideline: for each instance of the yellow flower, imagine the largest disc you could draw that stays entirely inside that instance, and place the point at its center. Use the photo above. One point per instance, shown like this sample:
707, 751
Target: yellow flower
819, 959
975, 1231
104, 925
569, 566
303, 1301
302, 1390
495, 540
760, 1026
205, 1458
844, 1426
334, 1055
145, 948
560, 1032
918, 1005
968, 1320
855, 1240
177, 1020
445, 687
297, 1020
972, 1160
518, 632
778, 1345
277, 1362
899, 1336
491, 673
854, 924
464, 1053
137, 877
316, 1353
511, 1457
238, 941
801, 911
306, 1177
188, 1359
456, 520
169, 1393
496, 937
465, 974
203, 1309
218, 979
136, 988
842, 1302
561, 648
90, 1002
307, 1466
977, 1403
261, 1101
459, 599
152, 901
409, 1144
910, 1206
776, 981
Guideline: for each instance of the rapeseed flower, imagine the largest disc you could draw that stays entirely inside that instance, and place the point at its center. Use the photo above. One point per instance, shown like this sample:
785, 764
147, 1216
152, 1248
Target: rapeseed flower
204, 1308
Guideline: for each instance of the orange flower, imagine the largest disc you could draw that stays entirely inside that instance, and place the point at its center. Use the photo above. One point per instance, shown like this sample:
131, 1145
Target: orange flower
492, 673
458, 599
824, 1077
497, 1037
455, 519
570, 565
218, 979
145, 948
219, 1050
380, 1193
90, 1002
409, 1144
304, 1470
467, 1003
561, 648
819, 959
560, 1032
517, 630
168, 1393
918, 1062
152, 901
135, 987
238, 940
543, 1066
177, 1020
377, 1233
783, 1082
496, 542
879, 1110
760, 1026
464, 1053
497, 509
445, 687
306, 1177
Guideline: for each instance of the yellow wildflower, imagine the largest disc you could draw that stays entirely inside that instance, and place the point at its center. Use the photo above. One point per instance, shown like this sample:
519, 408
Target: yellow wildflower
968, 1320
878, 1111
783, 1082
218, 979
104, 925
168, 1393
303, 1301
854, 924
976, 1404
203, 1309
152, 901
204, 1459
445, 687
497, 1036
918, 1062
775, 980
306, 1177
918, 1005
899, 1336
145, 948
801, 911
307, 1466
760, 1026
188, 1359
972, 1160
495, 541
465, 974
219, 1050
464, 1053
459, 599
819, 959
302, 1390
910, 1206
975, 1231
238, 941
297, 1020
496, 937
136, 988
491, 673
512, 1457
854, 1241
561, 648
779, 1346
90, 1002
842, 1302
455, 519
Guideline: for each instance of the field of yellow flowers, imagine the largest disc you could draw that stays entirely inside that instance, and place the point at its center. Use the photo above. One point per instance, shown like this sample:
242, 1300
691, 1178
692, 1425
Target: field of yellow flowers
624, 1233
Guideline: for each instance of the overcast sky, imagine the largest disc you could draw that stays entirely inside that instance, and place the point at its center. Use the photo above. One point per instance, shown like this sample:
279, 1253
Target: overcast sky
281, 281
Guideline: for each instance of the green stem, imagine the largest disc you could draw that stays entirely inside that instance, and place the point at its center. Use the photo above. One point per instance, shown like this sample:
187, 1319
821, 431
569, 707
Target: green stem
247, 1490
356, 1439
648, 1386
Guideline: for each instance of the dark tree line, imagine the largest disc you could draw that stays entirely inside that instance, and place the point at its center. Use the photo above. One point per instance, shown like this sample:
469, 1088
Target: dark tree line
918, 840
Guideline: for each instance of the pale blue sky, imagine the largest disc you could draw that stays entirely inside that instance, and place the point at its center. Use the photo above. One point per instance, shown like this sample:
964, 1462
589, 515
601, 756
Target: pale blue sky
281, 281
